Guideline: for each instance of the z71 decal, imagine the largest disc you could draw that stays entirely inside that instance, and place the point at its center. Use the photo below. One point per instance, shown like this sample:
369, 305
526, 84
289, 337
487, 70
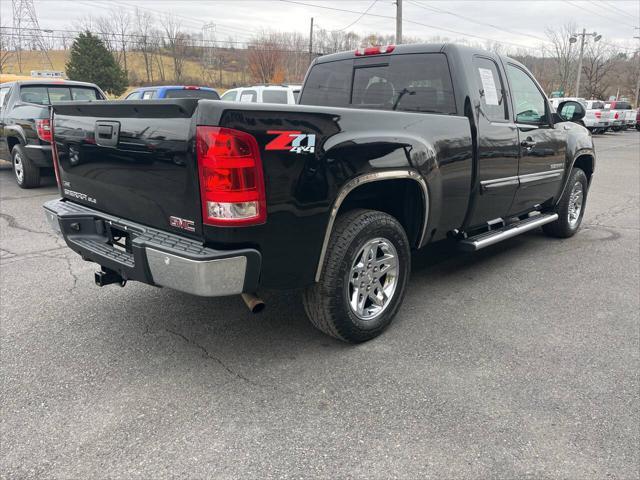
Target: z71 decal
292, 141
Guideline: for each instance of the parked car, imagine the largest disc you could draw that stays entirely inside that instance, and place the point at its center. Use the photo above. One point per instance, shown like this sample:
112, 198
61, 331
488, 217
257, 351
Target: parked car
621, 113
389, 149
638, 119
596, 118
173, 91
25, 133
286, 94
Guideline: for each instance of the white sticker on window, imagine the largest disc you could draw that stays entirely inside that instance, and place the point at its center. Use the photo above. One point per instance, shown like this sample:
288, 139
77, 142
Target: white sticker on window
489, 86
246, 97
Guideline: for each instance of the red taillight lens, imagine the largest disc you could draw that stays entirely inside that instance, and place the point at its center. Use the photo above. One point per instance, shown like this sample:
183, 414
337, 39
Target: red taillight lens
598, 114
375, 50
231, 178
43, 127
616, 116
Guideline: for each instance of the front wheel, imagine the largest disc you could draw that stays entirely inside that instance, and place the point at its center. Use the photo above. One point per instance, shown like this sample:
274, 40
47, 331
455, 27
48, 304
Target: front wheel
570, 208
366, 268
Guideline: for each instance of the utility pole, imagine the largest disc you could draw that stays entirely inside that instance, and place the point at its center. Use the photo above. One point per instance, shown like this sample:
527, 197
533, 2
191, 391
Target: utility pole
398, 22
574, 39
311, 42
638, 75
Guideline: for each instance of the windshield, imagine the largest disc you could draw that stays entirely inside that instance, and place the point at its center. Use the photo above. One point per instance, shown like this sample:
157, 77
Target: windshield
45, 95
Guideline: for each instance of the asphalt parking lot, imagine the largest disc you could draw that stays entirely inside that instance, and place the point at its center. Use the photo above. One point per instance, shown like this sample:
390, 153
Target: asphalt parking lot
520, 361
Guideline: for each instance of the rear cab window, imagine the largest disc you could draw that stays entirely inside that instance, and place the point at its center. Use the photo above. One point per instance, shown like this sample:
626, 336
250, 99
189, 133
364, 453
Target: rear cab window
191, 93
134, 95
44, 95
148, 94
275, 96
408, 82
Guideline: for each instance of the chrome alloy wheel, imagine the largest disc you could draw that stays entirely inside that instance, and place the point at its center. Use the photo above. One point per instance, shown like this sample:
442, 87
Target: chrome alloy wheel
576, 199
18, 168
373, 278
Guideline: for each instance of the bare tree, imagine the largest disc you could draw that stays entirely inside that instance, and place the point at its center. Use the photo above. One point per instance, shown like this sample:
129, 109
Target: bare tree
563, 54
121, 23
5, 50
596, 69
266, 59
144, 41
176, 42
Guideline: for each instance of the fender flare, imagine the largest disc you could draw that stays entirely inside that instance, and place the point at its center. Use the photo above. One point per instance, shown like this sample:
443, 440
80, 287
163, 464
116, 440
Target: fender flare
368, 178
17, 132
583, 151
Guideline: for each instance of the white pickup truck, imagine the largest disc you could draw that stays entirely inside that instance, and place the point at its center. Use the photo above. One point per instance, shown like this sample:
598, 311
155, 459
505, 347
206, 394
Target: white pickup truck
597, 118
623, 115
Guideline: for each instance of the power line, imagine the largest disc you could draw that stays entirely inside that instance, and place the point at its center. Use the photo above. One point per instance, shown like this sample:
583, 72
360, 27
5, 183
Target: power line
501, 28
600, 14
435, 27
360, 17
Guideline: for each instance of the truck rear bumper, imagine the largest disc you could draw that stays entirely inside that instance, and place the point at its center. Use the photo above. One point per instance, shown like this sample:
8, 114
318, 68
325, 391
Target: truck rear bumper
153, 256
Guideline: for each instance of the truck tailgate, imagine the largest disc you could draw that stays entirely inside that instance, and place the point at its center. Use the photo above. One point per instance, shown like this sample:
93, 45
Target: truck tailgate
134, 159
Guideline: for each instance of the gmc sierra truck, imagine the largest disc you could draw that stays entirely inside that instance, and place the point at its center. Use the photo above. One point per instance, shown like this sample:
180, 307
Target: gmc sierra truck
389, 149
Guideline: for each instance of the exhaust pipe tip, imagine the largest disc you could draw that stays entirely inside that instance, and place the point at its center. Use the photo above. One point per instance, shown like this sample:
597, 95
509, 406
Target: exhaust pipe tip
253, 302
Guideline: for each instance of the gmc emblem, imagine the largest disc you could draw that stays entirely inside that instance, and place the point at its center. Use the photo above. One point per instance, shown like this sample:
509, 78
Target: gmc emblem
178, 222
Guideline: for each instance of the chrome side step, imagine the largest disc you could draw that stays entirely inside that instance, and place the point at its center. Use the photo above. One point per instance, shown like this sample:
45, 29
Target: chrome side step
485, 239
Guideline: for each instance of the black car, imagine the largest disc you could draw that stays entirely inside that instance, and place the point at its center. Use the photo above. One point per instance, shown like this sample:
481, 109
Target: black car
25, 132
388, 150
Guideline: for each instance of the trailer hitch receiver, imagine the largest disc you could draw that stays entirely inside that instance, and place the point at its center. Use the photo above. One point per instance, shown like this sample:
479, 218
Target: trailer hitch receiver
106, 276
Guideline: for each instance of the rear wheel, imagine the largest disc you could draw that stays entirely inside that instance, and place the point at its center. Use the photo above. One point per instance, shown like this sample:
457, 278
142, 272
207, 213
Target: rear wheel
365, 273
570, 208
26, 173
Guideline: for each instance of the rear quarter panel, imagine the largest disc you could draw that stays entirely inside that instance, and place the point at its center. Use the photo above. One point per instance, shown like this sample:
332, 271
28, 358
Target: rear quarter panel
302, 187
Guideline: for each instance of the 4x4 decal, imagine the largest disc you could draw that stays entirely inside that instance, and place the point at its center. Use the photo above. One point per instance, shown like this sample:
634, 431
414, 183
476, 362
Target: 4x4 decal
292, 141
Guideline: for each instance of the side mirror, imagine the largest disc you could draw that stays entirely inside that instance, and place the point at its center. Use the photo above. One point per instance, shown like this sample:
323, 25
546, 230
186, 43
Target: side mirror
571, 111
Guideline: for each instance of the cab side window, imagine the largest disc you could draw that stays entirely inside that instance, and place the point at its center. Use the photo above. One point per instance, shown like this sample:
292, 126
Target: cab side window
491, 89
4, 96
529, 103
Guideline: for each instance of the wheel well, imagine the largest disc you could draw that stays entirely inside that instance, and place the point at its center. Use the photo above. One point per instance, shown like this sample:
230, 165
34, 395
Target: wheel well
12, 142
585, 163
400, 198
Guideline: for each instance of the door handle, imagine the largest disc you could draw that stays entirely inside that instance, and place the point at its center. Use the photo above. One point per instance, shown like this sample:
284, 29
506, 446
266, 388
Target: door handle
528, 143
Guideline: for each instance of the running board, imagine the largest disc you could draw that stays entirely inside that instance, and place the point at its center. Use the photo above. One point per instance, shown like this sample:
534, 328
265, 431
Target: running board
485, 239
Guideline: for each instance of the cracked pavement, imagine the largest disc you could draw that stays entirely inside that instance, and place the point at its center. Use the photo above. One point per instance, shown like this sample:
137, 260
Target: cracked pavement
519, 361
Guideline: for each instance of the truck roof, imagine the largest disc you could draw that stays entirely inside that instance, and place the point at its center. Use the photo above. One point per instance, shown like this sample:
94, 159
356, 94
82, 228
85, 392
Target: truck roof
49, 82
412, 48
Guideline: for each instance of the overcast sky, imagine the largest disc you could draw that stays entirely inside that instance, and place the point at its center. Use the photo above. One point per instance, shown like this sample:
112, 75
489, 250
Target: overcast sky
523, 21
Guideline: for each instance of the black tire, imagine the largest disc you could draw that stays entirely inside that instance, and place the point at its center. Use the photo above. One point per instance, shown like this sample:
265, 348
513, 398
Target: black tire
327, 304
27, 175
566, 227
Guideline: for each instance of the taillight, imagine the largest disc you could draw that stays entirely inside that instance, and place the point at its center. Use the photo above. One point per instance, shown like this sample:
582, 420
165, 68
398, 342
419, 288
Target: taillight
43, 127
616, 116
598, 114
191, 87
231, 178
375, 50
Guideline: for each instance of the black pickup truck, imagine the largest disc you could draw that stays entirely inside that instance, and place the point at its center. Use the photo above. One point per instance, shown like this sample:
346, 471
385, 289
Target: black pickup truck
25, 135
389, 149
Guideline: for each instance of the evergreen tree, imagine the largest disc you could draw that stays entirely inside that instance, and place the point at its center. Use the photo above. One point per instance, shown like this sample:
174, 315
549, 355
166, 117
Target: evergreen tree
90, 61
